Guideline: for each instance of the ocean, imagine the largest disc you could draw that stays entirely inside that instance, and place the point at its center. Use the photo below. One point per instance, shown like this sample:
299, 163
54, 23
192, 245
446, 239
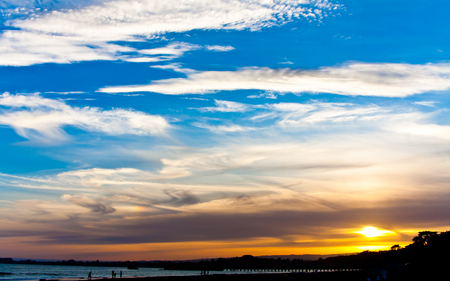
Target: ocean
26, 272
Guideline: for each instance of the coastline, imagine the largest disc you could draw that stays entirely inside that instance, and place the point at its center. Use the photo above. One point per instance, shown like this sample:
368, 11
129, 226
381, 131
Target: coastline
316, 276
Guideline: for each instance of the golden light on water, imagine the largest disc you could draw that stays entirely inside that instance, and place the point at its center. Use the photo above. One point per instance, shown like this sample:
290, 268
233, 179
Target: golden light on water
370, 232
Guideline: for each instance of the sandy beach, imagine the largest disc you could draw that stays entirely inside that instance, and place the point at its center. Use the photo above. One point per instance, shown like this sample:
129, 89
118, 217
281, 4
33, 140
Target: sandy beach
320, 276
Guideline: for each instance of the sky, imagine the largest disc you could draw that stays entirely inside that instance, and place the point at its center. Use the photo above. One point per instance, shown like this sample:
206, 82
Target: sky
182, 129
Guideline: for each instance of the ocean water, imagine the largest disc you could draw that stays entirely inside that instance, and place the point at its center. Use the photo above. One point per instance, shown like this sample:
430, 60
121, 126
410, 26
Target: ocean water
35, 272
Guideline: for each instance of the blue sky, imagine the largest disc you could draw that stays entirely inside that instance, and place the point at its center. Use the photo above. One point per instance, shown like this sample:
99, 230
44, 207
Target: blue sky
121, 117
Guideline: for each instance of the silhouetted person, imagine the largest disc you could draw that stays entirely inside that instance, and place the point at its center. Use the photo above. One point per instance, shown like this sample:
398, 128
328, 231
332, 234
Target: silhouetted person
90, 275
112, 274
121, 274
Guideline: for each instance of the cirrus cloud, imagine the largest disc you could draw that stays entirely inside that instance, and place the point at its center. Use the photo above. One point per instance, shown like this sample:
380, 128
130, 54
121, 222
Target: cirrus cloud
35, 117
354, 79
84, 34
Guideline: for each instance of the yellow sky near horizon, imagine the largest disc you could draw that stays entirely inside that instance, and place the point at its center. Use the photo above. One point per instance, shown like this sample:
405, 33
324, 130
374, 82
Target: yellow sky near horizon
32, 248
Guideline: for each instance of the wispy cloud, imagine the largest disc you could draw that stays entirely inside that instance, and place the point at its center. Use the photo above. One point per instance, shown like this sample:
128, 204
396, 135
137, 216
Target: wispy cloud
354, 79
175, 67
305, 117
427, 103
67, 93
21, 48
267, 95
225, 106
305, 114
223, 128
218, 48
90, 203
286, 62
86, 33
35, 117
169, 52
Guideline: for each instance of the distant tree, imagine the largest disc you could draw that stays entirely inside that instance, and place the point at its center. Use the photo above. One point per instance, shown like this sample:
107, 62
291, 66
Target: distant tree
424, 237
396, 247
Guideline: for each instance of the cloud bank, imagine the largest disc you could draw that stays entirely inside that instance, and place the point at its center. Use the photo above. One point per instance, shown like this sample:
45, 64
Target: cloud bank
72, 35
333, 183
360, 166
354, 79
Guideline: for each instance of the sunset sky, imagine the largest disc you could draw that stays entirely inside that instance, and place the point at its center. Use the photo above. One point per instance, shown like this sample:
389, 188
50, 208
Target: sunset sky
180, 129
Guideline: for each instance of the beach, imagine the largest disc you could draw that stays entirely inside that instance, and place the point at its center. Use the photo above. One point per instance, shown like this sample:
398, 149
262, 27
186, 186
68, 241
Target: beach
317, 276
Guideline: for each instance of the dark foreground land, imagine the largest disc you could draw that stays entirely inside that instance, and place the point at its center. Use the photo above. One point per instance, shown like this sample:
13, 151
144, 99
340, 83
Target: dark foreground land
319, 276
426, 259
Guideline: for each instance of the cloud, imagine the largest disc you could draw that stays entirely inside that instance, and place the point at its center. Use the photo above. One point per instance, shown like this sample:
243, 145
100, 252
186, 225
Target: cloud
267, 95
169, 52
218, 48
354, 79
421, 129
181, 197
142, 59
305, 117
427, 103
87, 33
225, 106
35, 117
21, 48
173, 49
288, 186
202, 99
223, 128
175, 67
94, 205
96, 177
305, 114
46, 4
278, 189
286, 62
346, 117
67, 93
286, 183
320, 171
317, 226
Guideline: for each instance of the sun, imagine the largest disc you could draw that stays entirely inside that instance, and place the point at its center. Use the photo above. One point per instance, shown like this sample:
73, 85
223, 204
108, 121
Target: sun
370, 232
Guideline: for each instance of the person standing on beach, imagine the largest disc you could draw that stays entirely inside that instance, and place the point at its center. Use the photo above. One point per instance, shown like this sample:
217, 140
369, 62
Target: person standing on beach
112, 274
90, 275
121, 274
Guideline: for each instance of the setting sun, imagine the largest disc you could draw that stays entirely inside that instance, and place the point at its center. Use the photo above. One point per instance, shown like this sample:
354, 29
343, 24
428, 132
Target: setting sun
370, 231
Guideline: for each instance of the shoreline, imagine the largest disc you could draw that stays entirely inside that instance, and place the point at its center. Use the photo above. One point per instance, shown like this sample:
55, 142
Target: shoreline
313, 276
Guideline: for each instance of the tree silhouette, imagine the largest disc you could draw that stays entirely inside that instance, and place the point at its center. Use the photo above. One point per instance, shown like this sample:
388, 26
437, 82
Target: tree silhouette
424, 237
396, 247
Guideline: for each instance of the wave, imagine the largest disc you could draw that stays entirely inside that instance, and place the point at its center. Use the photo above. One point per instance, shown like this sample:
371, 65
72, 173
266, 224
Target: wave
42, 273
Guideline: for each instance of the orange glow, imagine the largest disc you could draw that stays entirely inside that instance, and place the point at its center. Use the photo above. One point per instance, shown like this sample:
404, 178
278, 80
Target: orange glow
339, 241
20, 247
372, 248
370, 232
